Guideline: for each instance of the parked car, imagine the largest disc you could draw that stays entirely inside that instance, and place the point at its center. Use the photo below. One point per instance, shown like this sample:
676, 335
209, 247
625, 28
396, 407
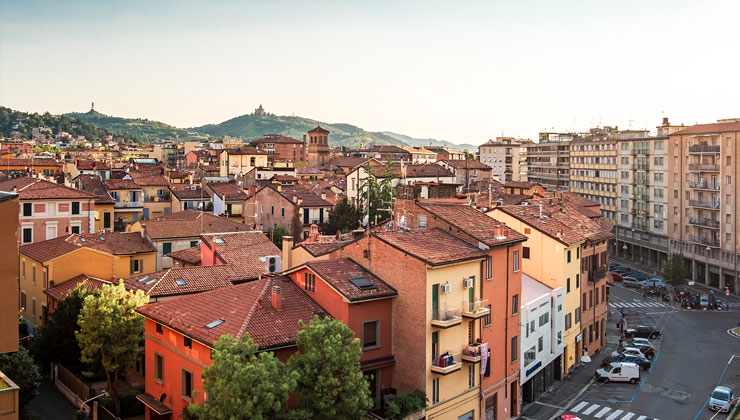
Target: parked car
623, 270
721, 399
568, 417
640, 276
637, 341
652, 282
639, 361
620, 372
630, 281
645, 350
616, 275
642, 331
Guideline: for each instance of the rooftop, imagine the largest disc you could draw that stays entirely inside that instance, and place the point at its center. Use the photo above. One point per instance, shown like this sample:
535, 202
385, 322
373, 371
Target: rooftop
189, 223
435, 247
719, 127
188, 255
244, 151
466, 163
94, 185
228, 191
61, 290
532, 289
278, 138
245, 252
351, 280
183, 280
39, 189
114, 243
190, 192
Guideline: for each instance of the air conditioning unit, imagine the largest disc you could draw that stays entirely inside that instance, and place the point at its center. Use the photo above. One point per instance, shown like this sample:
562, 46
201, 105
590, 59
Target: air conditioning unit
446, 288
272, 263
468, 283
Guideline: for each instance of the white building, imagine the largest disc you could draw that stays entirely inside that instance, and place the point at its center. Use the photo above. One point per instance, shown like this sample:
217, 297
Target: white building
542, 337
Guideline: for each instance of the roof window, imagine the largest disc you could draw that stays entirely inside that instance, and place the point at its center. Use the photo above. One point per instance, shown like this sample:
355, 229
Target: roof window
214, 324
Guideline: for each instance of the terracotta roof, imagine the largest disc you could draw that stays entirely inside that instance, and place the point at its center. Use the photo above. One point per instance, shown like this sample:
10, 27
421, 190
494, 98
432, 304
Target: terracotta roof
39, 189
244, 251
342, 162
114, 243
415, 171
340, 274
190, 192
708, 128
322, 248
388, 149
320, 130
242, 308
178, 174
564, 224
121, 184
520, 184
94, 185
278, 138
184, 280
588, 207
473, 222
86, 165
244, 151
148, 178
189, 223
284, 178
308, 198
29, 162
308, 171
228, 191
465, 163
434, 247
61, 290
189, 255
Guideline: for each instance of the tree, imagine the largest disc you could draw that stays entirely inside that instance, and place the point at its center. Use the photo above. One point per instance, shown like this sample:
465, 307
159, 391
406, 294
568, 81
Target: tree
378, 195
22, 370
330, 385
277, 233
296, 225
243, 383
110, 331
343, 217
674, 270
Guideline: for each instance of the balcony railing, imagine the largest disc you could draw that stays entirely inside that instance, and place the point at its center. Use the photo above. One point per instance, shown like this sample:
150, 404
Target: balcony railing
472, 353
704, 167
641, 166
127, 204
643, 197
714, 205
446, 318
476, 309
703, 186
713, 224
644, 152
703, 240
157, 198
703, 148
597, 274
446, 363
641, 181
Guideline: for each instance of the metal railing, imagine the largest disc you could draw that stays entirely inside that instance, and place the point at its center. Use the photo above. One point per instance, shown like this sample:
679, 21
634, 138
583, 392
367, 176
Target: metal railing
703, 240
710, 167
703, 148
446, 360
127, 204
641, 166
704, 222
447, 314
703, 186
705, 204
476, 307
597, 274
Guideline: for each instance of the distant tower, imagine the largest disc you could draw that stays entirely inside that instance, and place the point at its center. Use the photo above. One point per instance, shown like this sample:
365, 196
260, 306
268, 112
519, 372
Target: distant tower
260, 111
92, 106
318, 146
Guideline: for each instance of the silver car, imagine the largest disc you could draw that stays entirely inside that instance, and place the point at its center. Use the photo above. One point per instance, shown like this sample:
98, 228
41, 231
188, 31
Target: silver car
721, 399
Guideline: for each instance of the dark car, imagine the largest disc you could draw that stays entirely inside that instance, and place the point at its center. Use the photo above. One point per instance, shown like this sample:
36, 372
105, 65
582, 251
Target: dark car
639, 361
645, 349
643, 331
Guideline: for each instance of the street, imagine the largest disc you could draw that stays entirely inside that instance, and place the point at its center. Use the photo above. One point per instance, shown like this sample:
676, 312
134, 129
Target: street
694, 354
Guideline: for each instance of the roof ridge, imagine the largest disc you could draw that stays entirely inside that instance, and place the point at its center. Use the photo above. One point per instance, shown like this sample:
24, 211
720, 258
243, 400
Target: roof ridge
243, 328
159, 280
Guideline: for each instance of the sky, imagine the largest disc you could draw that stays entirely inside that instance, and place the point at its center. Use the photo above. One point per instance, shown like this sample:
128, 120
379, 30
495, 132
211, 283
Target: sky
462, 71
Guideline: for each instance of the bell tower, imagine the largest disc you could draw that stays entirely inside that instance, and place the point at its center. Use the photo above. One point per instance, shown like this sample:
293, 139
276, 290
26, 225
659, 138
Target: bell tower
318, 146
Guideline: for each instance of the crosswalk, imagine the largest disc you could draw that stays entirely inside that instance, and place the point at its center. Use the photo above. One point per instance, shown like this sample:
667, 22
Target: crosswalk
637, 304
597, 411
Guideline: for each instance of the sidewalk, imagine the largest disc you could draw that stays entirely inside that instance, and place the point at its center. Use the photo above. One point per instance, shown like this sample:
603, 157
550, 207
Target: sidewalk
51, 404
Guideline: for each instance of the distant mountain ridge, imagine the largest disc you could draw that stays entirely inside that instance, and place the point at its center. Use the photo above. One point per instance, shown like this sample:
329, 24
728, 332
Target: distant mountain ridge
142, 129
416, 142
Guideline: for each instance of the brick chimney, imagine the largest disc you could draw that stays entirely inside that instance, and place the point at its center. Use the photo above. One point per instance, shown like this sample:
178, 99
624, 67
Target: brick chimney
277, 298
287, 261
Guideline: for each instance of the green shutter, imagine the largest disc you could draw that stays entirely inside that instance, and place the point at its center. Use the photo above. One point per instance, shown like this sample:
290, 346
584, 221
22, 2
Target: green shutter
435, 301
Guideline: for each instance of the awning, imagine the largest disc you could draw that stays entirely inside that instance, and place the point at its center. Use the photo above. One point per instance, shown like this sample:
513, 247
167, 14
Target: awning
154, 403
378, 363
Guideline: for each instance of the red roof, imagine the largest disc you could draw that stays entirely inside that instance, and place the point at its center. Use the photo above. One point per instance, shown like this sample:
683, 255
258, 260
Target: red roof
238, 309
708, 128
245, 252
29, 162
434, 247
520, 184
466, 163
189, 255
114, 243
228, 191
190, 192
188, 224
278, 138
148, 179
39, 189
343, 273
94, 185
121, 184
61, 290
319, 130
244, 151
184, 280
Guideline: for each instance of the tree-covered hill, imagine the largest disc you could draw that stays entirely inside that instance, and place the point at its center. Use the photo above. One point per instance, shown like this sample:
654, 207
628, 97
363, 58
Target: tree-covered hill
143, 129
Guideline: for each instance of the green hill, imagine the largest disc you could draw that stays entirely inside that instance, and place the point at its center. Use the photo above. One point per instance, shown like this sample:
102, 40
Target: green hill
24, 123
142, 129
253, 126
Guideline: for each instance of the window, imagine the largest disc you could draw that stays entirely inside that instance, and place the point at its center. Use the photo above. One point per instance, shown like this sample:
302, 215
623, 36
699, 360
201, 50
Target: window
187, 384
435, 391
578, 281
729, 180
729, 160
540, 344
514, 348
487, 318
166, 248
27, 235
76, 229
583, 301
23, 300
578, 315
27, 209
560, 338
530, 356
568, 321
489, 267
158, 368
272, 209
590, 298
46, 282
658, 176
75, 207
516, 261
525, 252
569, 255
658, 193
137, 266
471, 376
33, 307
596, 296
421, 221
193, 243
158, 328
106, 220
567, 285
578, 252
659, 145
282, 211
514, 304
187, 342
544, 318
309, 282
531, 326
33, 273
370, 334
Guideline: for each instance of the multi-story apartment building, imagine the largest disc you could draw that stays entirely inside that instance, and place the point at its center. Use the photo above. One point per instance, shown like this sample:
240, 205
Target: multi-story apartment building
548, 162
506, 156
236, 162
280, 148
702, 186
593, 168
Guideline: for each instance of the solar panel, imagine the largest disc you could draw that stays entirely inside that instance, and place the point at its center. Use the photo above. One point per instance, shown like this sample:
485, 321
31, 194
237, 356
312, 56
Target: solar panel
214, 324
180, 282
142, 279
362, 283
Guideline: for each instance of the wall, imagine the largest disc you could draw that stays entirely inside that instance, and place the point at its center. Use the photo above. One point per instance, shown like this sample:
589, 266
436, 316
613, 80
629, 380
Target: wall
9, 266
271, 208
100, 210
51, 216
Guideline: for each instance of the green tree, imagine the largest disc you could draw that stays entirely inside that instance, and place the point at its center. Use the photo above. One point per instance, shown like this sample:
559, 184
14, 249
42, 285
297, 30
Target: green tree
674, 270
22, 370
330, 385
277, 233
343, 217
243, 383
110, 331
296, 225
378, 195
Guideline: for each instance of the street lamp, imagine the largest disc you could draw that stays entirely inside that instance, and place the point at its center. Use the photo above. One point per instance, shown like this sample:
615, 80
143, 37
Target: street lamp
103, 394
706, 275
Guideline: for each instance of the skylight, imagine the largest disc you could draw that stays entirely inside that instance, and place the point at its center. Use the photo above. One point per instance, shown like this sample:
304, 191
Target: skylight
102, 238
83, 240
214, 324
151, 281
142, 279
219, 240
180, 282
362, 283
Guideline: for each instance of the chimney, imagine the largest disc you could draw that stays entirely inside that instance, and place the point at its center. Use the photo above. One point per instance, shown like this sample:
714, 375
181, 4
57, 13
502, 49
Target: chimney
295, 199
277, 298
314, 232
323, 196
560, 234
279, 187
259, 303
665, 122
287, 253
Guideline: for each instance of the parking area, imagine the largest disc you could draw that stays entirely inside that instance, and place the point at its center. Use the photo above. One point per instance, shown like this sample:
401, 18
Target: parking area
730, 378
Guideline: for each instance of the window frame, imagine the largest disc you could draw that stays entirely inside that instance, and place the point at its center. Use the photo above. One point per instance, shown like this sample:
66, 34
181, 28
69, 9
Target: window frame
158, 363
377, 334
184, 373
515, 261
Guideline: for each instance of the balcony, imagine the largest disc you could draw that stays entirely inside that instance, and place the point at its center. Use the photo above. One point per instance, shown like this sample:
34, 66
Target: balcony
712, 205
475, 310
128, 204
703, 186
641, 181
157, 198
703, 148
704, 167
597, 274
703, 240
644, 152
708, 223
642, 197
641, 166
446, 363
446, 318
472, 353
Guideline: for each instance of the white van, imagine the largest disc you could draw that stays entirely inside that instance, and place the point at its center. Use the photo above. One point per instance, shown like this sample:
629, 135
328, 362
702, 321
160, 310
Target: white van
620, 372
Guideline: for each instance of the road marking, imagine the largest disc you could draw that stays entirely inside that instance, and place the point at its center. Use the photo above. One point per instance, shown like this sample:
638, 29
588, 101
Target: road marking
602, 412
615, 414
641, 418
579, 407
628, 416
591, 409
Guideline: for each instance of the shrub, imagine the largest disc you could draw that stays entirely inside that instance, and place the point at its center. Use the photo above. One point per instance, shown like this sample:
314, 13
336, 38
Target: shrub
403, 405
130, 406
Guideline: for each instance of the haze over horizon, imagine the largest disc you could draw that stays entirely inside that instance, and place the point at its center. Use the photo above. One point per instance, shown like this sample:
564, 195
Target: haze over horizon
428, 70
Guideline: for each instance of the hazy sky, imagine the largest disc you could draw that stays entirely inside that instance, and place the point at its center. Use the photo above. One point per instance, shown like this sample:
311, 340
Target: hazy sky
456, 70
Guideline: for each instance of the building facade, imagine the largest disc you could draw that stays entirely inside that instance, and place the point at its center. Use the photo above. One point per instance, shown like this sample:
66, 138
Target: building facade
548, 162
593, 169
318, 146
505, 156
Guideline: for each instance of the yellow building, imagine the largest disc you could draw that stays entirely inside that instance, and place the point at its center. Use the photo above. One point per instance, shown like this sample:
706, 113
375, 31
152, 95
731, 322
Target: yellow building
129, 202
236, 162
107, 256
104, 204
552, 254
156, 194
8, 272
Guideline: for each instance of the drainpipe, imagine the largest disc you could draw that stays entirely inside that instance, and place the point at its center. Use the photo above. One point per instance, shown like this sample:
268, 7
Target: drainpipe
506, 327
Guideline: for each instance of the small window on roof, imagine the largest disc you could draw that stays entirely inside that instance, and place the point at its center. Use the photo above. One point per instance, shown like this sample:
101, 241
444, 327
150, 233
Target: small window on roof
214, 324
180, 282
363, 283
151, 281
102, 238
83, 240
219, 240
142, 279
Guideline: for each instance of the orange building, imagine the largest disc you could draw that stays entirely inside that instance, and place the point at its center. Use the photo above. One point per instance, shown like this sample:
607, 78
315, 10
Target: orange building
318, 146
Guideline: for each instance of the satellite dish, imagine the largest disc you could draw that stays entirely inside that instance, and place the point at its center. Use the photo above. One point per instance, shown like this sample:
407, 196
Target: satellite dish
365, 220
